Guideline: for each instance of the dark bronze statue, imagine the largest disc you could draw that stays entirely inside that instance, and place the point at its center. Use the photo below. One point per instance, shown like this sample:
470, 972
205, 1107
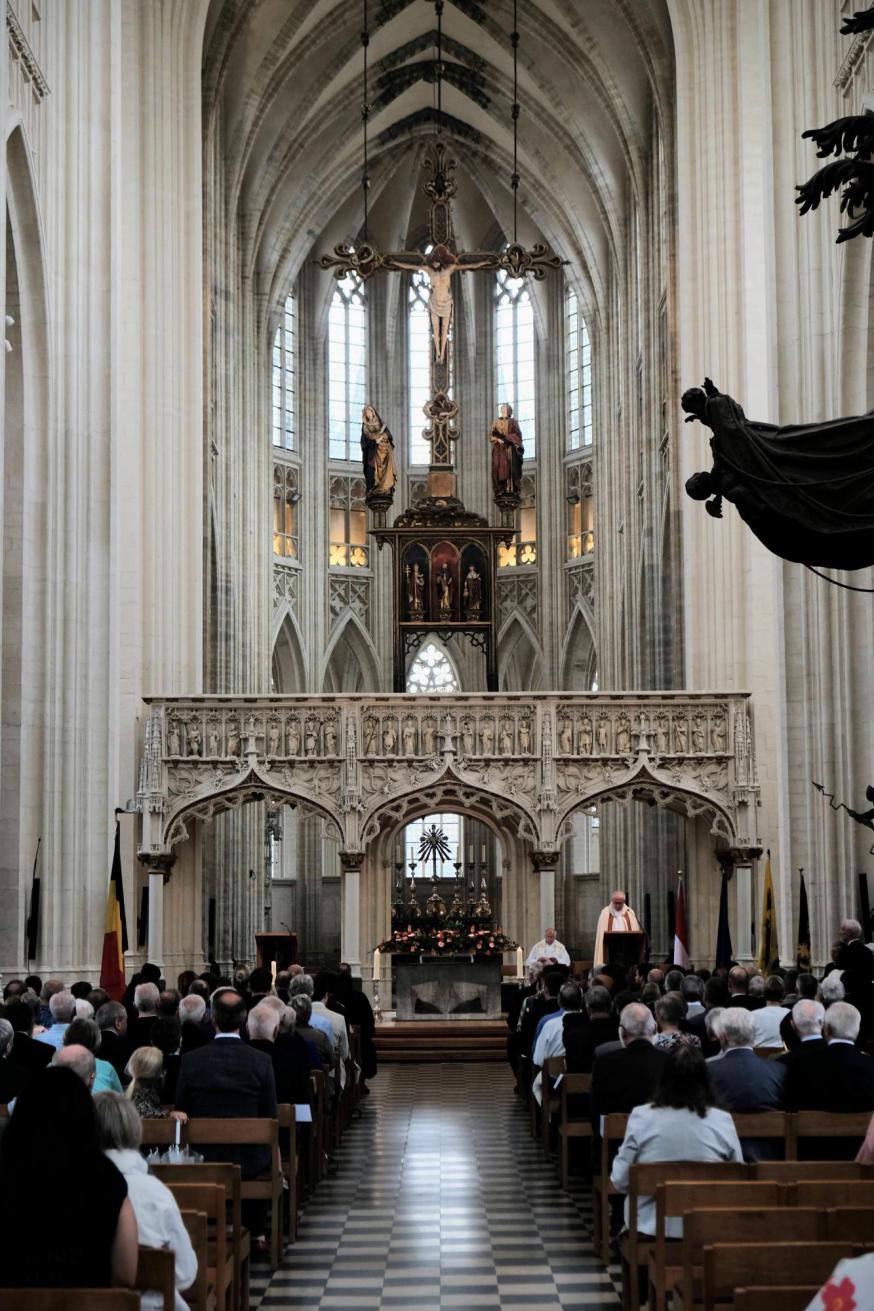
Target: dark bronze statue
805, 490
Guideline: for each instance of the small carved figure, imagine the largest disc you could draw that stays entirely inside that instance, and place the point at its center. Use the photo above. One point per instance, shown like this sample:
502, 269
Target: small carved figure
409, 737
273, 738
699, 741
233, 738
717, 734
292, 737
681, 737
487, 737
415, 590
602, 737
525, 737
623, 737
661, 735
507, 452
213, 740
370, 736
330, 738
378, 453
467, 742
586, 736
173, 742
389, 738
251, 732
195, 741
566, 737
506, 738
310, 737
472, 593
444, 591
428, 737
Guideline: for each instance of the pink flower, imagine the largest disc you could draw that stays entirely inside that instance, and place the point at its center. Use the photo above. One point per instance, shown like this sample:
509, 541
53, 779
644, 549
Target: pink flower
839, 1297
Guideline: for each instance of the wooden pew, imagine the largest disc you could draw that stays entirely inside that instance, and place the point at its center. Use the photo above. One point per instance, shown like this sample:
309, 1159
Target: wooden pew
796, 1171
69, 1299
210, 1199
786, 1297
572, 1085
549, 1102
737, 1226
829, 1193
156, 1273
268, 1187
850, 1224
286, 1116
199, 1296
728, 1266
228, 1177
775, 1126
831, 1125
612, 1133
161, 1132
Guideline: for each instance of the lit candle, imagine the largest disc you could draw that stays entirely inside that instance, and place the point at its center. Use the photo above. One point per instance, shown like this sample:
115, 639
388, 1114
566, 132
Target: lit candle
376, 963
273, 973
518, 962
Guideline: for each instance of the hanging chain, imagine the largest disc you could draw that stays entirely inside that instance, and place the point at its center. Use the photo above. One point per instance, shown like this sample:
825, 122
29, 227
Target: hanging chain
514, 180
438, 6
365, 115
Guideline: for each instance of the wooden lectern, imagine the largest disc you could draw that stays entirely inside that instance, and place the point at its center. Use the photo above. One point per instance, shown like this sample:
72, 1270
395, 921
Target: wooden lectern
278, 947
622, 951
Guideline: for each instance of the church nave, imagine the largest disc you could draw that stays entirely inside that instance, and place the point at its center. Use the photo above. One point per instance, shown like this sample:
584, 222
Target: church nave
441, 1200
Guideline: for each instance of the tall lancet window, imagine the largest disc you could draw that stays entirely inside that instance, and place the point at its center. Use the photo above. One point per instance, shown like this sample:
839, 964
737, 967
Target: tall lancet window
347, 367
418, 365
283, 378
515, 353
578, 374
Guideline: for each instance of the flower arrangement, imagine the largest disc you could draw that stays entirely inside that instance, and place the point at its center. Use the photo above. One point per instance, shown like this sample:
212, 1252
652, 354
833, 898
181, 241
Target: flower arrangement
436, 941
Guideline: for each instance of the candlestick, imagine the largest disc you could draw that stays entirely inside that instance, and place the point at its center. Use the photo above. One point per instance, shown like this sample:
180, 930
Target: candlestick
376, 964
518, 962
483, 854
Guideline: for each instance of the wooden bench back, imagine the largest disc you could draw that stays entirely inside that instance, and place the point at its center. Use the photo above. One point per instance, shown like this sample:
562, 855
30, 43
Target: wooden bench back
786, 1297
855, 1193
794, 1171
728, 1266
828, 1124
156, 1273
702, 1228
852, 1224
68, 1299
160, 1132
197, 1295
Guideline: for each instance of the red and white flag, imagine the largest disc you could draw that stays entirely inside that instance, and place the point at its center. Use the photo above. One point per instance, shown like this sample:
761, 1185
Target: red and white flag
681, 928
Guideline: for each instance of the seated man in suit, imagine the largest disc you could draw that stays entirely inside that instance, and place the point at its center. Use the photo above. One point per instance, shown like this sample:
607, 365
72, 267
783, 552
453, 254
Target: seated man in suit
581, 1041
29, 1055
12, 1077
227, 1079
806, 986
838, 1079
738, 987
112, 1023
742, 1080
806, 1054
626, 1078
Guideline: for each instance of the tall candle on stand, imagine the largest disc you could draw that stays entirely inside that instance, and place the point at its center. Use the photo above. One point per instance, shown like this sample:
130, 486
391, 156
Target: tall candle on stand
483, 854
519, 962
376, 964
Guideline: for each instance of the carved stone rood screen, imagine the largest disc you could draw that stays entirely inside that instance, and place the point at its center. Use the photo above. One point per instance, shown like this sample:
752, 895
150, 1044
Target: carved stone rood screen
367, 764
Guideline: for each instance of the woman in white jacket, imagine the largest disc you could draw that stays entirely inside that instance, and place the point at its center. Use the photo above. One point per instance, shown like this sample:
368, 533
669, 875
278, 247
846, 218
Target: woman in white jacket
120, 1135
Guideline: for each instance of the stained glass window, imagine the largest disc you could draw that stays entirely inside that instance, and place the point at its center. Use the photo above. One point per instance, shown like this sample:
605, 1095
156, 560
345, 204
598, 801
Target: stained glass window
347, 367
515, 353
283, 378
578, 374
431, 672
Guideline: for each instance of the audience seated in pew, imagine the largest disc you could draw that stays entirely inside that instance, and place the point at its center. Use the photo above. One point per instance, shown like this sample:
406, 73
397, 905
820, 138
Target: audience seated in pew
628, 1076
26, 1053
582, 1040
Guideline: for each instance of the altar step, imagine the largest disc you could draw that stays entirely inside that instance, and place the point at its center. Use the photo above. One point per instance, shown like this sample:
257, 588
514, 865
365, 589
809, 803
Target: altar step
436, 1041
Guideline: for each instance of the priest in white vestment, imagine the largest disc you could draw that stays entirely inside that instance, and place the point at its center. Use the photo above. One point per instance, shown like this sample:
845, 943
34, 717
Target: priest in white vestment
548, 949
615, 918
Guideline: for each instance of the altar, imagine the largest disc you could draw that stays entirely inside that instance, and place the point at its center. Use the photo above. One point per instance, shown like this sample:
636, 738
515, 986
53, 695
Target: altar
448, 987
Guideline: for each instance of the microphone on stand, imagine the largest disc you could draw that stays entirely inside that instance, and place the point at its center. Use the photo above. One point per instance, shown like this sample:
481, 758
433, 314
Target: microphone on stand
283, 925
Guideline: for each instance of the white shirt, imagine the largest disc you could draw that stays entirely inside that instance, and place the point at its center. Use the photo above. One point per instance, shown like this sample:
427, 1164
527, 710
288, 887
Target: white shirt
767, 1020
341, 1036
548, 949
158, 1222
550, 1040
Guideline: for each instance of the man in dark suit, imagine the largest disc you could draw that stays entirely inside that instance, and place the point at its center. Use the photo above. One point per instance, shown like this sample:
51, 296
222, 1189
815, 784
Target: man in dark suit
835, 1076
715, 997
626, 1078
738, 987
807, 1052
196, 1029
742, 1080
114, 1047
807, 987
227, 1079
580, 1041
147, 999
27, 1054
291, 1067
12, 1077
545, 1004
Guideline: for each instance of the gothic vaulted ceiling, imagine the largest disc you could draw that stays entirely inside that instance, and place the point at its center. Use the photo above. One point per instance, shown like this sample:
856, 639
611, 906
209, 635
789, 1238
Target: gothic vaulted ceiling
283, 89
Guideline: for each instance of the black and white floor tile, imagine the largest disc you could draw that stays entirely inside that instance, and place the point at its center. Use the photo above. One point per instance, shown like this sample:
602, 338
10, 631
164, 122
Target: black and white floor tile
441, 1200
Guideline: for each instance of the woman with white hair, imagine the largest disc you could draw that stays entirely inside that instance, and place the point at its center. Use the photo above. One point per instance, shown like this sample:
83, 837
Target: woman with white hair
145, 1090
119, 1136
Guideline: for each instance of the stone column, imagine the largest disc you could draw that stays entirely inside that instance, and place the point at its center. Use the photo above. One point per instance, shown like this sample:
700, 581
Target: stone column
545, 863
350, 923
158, 867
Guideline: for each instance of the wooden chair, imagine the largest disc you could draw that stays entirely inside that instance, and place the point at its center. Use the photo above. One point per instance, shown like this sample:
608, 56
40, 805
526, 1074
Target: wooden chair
675, 1197
612, 1132
285, 1115
572, 1085
161, 1133
550, 1102
770, 1125
228, 1177
156, 1273
211, 1200
852, 1224
199, 1296
797, 1171
828, 1124
266, 1188
727, 1266
643, 1181
704, 1228
69, 1299
786, 1297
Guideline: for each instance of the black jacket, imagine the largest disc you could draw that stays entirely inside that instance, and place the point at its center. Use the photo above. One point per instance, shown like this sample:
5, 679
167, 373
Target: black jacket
291, 1067
625, 1078
829, 1077
29, 1055
227, 1079
115, 1049
580, 1042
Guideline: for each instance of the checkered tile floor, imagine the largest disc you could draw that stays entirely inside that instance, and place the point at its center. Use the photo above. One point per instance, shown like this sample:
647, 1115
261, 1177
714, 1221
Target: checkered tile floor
441, 1200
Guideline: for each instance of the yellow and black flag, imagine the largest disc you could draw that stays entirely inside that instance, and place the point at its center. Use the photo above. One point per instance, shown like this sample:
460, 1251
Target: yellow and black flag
769, 951
114, 929
802, 957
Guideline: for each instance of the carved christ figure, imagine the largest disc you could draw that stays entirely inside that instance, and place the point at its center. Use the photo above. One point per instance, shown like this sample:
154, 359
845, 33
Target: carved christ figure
439, 265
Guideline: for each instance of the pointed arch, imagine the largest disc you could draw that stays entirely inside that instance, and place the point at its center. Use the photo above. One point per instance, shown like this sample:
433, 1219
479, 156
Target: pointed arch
443, 651
579, 656
350, 661
520, 660
288, 664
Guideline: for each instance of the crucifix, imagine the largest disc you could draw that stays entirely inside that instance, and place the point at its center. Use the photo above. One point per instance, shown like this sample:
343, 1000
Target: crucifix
440, 261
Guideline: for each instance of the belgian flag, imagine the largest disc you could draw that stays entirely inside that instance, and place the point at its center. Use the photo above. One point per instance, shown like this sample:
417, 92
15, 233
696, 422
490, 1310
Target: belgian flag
769, 951
114, 929
802, 959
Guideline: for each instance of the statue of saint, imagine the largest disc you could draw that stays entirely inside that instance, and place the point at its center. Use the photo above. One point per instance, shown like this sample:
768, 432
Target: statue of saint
330, 738
585, 736
444, 591
566, 737
292, 738
623, 737
378, 452
524, 737
415, 590
473, 592
173, 740
681, 737
717, 734
507, 452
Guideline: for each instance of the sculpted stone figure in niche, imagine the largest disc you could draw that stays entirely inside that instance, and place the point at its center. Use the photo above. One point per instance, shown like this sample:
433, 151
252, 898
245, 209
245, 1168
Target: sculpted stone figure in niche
472, 593
311, 737
566, 737
195, 741
507, 453
415, 591
273, 738
467, 742
389, 738
173, 742
699, 740
717, 734
378, 453
233, 738
623, 737
661, 735
428, 737
444, 592
602, 736
585, 747
506, 738
487, 737
525, 737
330, 738
681, 737
292, 737
213, 740
369, 736
409, 737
